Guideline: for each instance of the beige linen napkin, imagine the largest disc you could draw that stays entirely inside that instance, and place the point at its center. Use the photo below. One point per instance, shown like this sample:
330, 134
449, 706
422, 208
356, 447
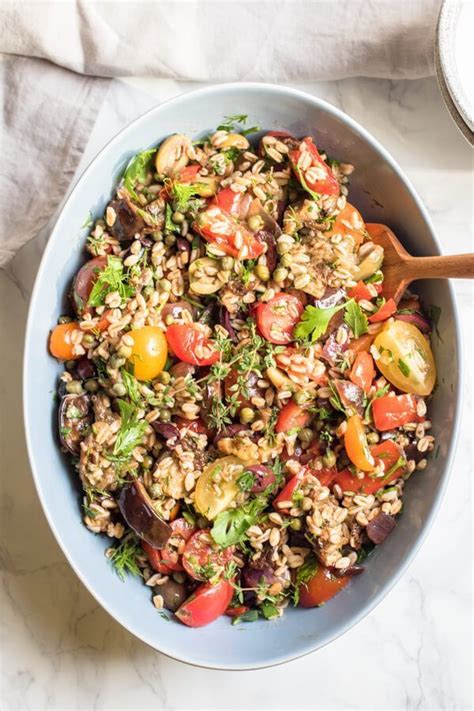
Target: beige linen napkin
49, 107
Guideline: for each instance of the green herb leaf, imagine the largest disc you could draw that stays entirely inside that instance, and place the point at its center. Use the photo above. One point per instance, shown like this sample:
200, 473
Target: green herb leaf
170, 226
356, 319
403, 368
269, 610
246, 480
111, 278
131, 431
304, 575
249, 616
124, 557
229, 121
133, 389
137, 171
230, 527
88, 222
315, 321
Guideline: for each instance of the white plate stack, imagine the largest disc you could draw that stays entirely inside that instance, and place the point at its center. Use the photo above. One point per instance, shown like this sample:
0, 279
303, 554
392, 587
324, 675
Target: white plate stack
454, 58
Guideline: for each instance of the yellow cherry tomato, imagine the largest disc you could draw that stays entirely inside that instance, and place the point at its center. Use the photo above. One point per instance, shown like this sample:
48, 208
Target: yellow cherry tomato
406, 359
149, 352
217, 486
356, 445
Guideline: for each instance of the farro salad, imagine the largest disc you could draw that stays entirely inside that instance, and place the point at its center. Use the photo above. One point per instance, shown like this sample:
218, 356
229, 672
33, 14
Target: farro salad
241, 403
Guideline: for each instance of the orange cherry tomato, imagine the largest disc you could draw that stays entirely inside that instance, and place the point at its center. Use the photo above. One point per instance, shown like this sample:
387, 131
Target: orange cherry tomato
321, 588
386, 453
292, 416
356, 445
363, 371
349, 222
60, 345
149, 352
384, 312
362, 344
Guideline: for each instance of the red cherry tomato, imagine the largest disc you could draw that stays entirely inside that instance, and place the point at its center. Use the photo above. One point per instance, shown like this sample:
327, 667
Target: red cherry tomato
195, 426
286, 494
360, 291
171, 553
325, 476
277, 318
363, 371
392, 411
321, 588
206, 604
235, 204
362, 344
233, 237
188, 174
245, 394
324, 184
292, 416
384, 312
388, 453
202, 557
154, 556
190, 343
84, 281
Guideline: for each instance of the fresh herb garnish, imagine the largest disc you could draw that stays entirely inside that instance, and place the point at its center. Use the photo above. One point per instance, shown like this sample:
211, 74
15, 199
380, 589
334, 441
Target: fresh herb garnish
170, 226
246, 480
403, 368
131, 431
230, 527
132, 386
249, 616
356, 319
315, 321
88, 222
111, 278
124, 557
137, 171
304, 575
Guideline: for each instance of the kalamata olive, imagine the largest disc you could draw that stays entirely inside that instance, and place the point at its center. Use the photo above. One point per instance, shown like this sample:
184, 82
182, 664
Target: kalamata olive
183, 245
350, 572
85, 369
271, 253
127, 222
137, 510
167, 431
182, 369
416, 319
330, 298
224, 320
380, 527
75, 419
351, 395
412, 452
232, 431
261, 573
176, 310
264, 477
332, 349
173, 594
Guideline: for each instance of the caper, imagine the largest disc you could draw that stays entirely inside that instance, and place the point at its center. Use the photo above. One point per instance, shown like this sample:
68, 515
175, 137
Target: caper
263, 272
178, 217
329, 459
124, 351
227, 263
306, 434
91, 386
157, 236
286, 260
88, 339
247, 415
147, 462
295, 524
164, 377
170, 240
202, 522
119, 389
64, 319
372, 438
279, 275
255, 223
165, 284
300, 397
74, 387
70, 364
165, 415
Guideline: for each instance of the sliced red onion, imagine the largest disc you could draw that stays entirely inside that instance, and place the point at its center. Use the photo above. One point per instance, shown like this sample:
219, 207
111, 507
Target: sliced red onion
264, 477
224, 320
330, 298
351, 395
167, 431
271, 253
183, 245
332, 349
181, 369
380, 527
416, 319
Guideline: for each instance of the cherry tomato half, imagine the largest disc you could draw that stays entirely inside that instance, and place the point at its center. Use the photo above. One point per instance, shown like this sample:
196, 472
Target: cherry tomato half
190, 343
286, 494
277, 318
182, 531
321, 588
318, 177
202, 557
363, 371
206, 604
384, 312
393, 411
233, 237
349, 222
155, 559
292, 416
387, 453
149, 352
360, 291
362, 344
356, 445
235, 204
60, 345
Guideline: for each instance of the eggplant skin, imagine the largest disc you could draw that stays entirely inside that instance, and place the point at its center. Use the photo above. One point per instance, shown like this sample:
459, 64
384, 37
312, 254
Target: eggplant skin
75, 419
137, 510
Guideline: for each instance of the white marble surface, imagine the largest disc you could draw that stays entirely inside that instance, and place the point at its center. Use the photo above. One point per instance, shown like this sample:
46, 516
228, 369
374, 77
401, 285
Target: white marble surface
61, 651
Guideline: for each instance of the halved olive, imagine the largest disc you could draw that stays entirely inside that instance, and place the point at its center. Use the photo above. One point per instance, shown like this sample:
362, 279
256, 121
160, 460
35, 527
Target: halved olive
217, 486
75, 418
370, 264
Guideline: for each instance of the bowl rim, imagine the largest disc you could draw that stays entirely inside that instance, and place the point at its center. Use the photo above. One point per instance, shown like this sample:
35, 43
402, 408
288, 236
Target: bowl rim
312, 646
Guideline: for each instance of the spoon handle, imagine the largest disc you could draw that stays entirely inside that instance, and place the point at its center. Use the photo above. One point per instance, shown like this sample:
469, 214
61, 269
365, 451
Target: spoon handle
459, 266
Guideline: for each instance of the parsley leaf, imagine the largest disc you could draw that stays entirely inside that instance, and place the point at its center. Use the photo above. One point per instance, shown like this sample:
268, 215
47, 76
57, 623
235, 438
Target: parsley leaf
137, 171
131, 430
230, 527
249, 616
111, 278
356, 319
315, 321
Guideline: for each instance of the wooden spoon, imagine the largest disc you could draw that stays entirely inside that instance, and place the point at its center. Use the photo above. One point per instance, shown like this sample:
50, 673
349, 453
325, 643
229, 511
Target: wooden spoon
400, 268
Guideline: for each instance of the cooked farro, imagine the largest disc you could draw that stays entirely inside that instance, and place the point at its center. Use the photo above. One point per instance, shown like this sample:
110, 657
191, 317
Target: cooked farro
242, 404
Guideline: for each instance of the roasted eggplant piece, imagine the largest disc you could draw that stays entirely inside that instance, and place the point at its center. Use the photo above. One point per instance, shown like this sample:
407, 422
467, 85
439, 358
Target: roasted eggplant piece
75, 419
137, 510
127, 223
